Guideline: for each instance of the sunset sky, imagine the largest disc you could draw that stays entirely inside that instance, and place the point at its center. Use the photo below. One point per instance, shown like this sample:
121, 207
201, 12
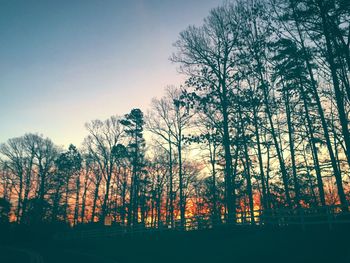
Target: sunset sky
63, 63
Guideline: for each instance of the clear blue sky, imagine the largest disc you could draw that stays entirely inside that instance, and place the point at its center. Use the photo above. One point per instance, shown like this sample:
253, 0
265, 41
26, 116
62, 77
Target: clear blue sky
65, 62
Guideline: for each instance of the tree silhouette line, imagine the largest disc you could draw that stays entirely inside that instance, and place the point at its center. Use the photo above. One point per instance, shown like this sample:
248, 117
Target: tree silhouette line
261, 122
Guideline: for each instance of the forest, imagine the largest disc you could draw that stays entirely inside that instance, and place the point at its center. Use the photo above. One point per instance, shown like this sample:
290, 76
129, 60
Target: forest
260, 124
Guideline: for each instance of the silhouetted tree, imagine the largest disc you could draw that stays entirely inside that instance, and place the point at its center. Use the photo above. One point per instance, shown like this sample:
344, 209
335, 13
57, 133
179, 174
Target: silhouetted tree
133, 123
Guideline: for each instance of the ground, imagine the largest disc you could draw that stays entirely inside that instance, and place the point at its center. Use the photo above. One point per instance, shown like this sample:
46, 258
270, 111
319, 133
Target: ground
317, 244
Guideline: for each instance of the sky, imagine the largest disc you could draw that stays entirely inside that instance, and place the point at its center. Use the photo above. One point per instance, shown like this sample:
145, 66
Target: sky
66, 62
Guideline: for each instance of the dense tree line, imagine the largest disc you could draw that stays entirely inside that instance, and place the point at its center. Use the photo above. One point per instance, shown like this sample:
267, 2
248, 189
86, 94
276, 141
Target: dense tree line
262, 122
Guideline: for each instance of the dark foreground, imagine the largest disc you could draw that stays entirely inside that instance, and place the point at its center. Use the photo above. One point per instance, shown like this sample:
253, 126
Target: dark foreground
240, 244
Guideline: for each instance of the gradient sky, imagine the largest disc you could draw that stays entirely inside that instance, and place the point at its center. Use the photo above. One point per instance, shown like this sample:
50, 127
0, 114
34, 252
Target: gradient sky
63, 63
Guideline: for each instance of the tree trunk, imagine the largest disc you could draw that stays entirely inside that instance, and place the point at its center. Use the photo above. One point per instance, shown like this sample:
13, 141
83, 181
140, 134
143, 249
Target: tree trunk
171, 199
94, 204
247, 169
336, 171
291, 148
340, 104
261, 165
182, 200
76, 209
230, 198
83, 198
277, 148
313, 147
